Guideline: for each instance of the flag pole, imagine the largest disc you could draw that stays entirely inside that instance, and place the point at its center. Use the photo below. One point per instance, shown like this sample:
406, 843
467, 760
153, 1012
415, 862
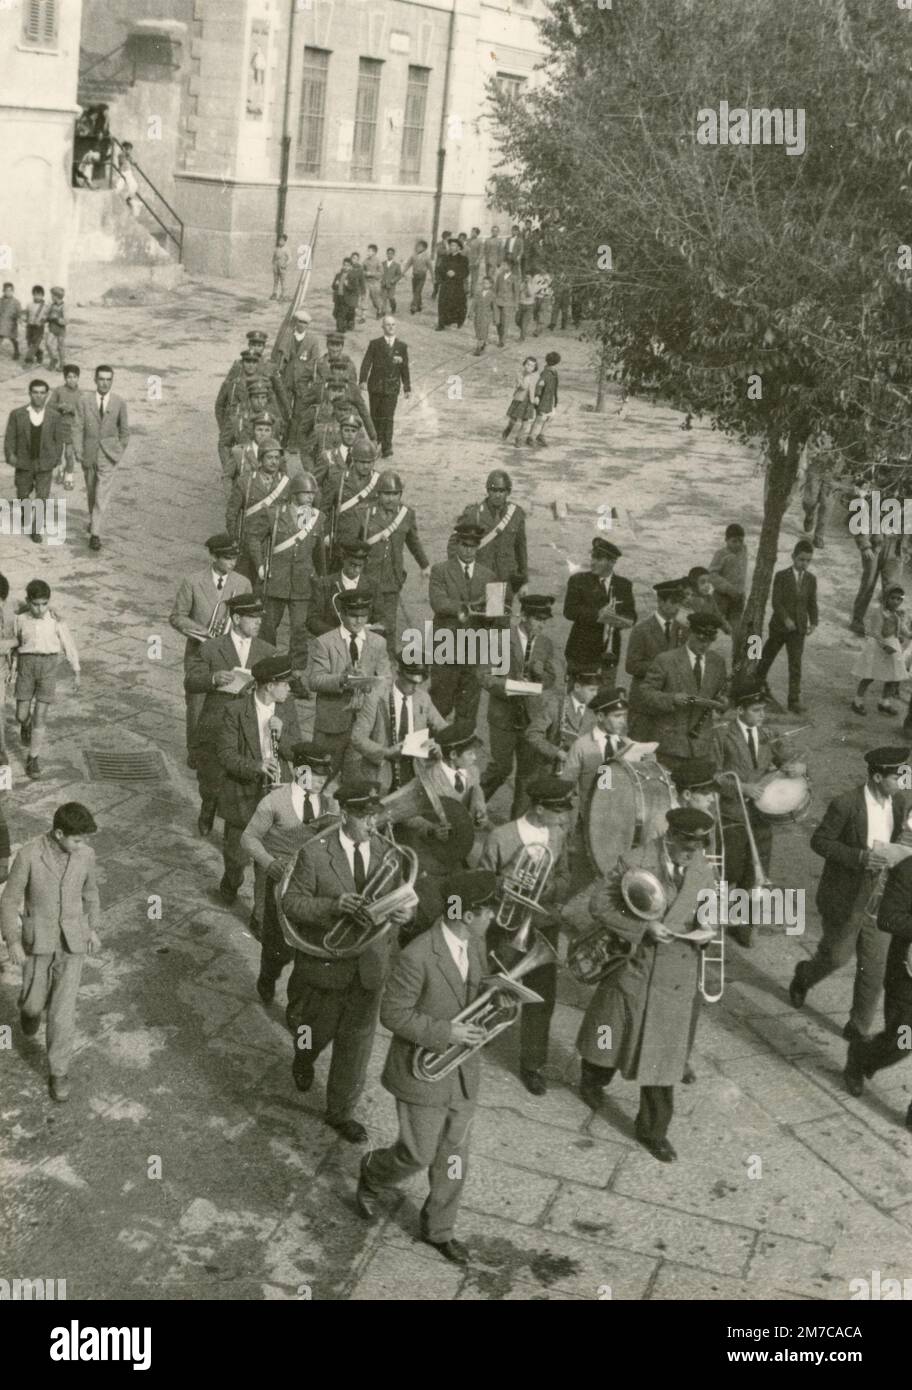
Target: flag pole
280, 345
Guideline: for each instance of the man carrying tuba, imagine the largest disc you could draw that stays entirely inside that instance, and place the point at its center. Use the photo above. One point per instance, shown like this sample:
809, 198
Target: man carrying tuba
639, 1019
436, 977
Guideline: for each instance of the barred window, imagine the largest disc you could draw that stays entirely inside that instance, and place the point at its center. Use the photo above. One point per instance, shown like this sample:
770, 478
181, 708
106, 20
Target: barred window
39, 22
366, 105
309, 153
413, 125
509, 85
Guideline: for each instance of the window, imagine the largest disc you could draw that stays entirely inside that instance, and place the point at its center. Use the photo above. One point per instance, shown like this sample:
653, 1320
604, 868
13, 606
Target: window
39, 23
413, 125
509, 86
309, 155
368, 99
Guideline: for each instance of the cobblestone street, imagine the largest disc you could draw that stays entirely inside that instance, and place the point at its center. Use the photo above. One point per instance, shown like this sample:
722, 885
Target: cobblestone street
177, 1059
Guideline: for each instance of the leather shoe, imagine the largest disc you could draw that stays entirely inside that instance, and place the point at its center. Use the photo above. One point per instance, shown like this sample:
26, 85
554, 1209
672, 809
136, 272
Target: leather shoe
798, 989
659, 1148
853, 1074
94, 542
689, 1076
29, 1023
350, 1130
205, 820
452, 1250
743, 935
59, 1088
303, 1077
534, 1082
265, 989
591, 1095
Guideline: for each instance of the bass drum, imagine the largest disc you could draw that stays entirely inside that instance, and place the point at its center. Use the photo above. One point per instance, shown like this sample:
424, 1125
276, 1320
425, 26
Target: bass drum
628, 813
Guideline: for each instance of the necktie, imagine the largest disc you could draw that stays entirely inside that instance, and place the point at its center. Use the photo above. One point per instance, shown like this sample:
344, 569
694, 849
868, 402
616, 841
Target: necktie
698, 672
668, 633
353, 649
346, 456
459, 782
308, 811
101, 407
467, 571
360, 875
220, 582
403, 729
752, 741
527, 661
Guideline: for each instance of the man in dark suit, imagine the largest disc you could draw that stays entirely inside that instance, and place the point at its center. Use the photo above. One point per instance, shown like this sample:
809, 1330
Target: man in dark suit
34, 439
458, 592
385, 369
322, 615
262, 720
337, 1001
682, 688
101, 434
436, 977
531, 659
558, 718
854, 838
389, 714
660, 633
794, 617
599, 603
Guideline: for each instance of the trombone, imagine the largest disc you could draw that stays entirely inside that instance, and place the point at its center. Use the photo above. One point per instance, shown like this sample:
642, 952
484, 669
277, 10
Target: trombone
712, 958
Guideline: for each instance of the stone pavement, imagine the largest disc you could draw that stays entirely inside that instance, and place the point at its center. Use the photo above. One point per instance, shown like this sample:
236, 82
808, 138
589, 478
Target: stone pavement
185, 1165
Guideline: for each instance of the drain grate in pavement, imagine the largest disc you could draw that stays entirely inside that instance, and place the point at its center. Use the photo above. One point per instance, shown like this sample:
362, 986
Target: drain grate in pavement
125, 767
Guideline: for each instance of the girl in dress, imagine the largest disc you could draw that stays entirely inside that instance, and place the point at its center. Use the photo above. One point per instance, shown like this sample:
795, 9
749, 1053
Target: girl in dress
885, 652
522, 407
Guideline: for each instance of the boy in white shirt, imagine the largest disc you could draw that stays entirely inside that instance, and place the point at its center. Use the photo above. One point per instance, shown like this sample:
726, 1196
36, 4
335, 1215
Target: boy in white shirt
41, 637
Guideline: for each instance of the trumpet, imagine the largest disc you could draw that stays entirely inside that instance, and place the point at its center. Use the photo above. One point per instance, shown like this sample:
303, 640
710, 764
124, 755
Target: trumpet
353, 932
521, 890
274, 779
218, 623
495, 1009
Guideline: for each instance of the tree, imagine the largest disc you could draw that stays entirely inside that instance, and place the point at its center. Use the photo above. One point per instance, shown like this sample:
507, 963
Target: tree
764, 289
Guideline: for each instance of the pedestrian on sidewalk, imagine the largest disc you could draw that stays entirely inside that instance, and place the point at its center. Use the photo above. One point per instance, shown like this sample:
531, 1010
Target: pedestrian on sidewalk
881, 559
815, 492
373, 269
390, 275
56, 324
101, 434
521, 408
419, 263
10, 314
545, 399
794, 617
526, 309
483, 314
506, 297
728, 571
35, 319
886, 651
281, 260
52, 884
67, 401
41, 637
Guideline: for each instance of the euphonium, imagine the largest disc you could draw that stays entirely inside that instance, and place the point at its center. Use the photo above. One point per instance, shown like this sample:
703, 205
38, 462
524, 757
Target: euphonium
494, 1010
520, 891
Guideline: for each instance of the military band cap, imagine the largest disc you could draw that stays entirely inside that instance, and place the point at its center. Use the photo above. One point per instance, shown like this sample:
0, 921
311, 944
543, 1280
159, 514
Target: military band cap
456, 736
363, 451
694, 775
350, 601
583, 677
359, 796
473, 887
248, 355
356, 550
606, 550
244, 605
706, 624
335, 339
256, 335
749, 695
687, 823
309, 755
537, 605
263, 417
301, 316
887, 759
667, 587
468, 532
349, 417
554, 793
222, 544
258, 387
272, 668
411, 668
499, 475
607, 699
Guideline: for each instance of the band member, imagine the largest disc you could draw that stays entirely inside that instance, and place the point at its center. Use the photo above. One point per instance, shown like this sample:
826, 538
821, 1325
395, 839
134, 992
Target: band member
321, 612
455, 774
252, 509
388, 528
284, 820
458, 593
599, 604
794, 617
645, 1009
869, 1055
545, 823
436, 977
296, 552
337, 1001
342, 664
695, 786
682, 688
211, 670
531, 659
660, 633
502, 547
253, 746
386, 718
601, 745
200, 612
557, 719
346, 496
852, 840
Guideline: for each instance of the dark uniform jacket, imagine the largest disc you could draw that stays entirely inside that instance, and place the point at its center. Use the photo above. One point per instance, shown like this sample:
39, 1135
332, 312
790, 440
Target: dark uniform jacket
512, 711
895, 917
250, 512
586, 595
297, 553
841, 839
321, 615
645, 643
218, 654
506, 553
685, 732
385, 567
233, 399
554, 725
344, 516
240, 756
449, 591
731, 754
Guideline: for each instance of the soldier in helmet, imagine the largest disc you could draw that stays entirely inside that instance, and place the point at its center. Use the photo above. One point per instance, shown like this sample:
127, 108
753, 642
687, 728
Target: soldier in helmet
252, 509
336, 453
335, 352
503, 544
388, 528
233, 390
296, 554
347, 494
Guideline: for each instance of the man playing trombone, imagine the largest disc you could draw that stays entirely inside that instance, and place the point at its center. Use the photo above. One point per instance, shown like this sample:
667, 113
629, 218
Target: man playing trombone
436, 977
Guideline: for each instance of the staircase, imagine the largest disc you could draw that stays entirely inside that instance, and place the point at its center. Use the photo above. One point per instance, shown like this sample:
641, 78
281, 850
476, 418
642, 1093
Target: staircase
115, 249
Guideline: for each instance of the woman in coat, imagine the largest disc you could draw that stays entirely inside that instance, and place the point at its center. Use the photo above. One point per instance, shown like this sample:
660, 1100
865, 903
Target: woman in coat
451, 302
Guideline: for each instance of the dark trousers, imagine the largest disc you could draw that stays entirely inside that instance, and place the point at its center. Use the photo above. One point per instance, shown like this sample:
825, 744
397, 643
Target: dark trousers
382, 409
885, 1049
347, 1018
417, 291
456, 688
739, 869
274, 611
233, 857
656, 1102
209, 776
794, 646
535, 1019
857, 935
34, 337
500, 321
505, 746
276, 952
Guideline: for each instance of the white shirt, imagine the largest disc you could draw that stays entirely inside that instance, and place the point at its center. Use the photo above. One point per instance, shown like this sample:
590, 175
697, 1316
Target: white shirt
531, 834
359, 638
36, 416
242, 647
880, 819
219, 580
264, 713
750, 735
692, 657
103, 402
451, 774
398, 697
578, 706
349, 583
298, 798
469, 568
389, 341
349, 846
458, 949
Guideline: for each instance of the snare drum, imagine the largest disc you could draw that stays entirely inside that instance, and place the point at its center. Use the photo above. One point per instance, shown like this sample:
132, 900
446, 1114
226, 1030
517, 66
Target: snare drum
784, 799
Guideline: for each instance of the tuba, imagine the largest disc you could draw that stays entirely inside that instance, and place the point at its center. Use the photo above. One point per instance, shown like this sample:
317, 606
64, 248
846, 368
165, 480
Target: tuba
520, 891
495, 1009
352, 933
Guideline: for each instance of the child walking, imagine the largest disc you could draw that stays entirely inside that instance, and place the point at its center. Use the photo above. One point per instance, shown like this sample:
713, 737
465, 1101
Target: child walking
526, 309
67, 401
35, 318
41, 637
56, 324
521, 408
886, 651
281, 260
545, 399
483, 313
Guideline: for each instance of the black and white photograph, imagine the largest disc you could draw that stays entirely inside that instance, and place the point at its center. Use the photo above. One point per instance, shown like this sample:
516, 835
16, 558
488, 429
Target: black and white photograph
456, 647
